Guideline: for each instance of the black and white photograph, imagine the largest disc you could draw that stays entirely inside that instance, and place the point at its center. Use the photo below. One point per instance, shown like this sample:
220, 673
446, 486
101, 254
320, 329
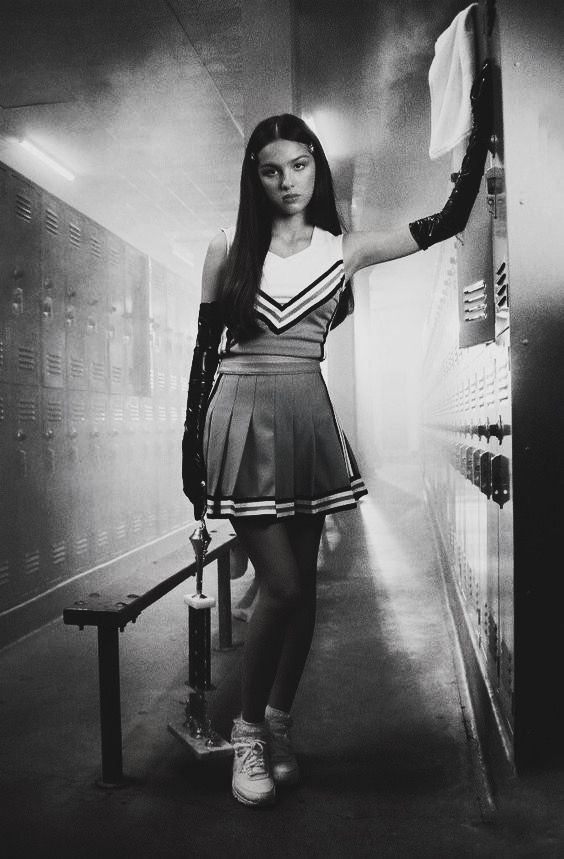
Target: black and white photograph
281, 429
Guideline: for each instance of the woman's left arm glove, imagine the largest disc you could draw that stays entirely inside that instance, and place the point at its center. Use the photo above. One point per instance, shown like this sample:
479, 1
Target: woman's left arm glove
454, 216
202, 372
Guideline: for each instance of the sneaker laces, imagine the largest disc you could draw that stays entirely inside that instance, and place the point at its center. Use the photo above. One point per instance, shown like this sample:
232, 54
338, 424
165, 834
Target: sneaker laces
251, 754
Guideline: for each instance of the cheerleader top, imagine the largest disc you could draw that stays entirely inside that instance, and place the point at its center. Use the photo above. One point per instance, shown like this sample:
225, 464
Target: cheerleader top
296, 301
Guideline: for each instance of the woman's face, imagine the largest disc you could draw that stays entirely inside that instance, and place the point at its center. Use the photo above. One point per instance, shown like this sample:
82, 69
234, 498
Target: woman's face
286, 171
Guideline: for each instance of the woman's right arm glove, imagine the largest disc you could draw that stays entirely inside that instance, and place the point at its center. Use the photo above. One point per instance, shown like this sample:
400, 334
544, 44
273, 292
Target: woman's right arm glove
202, 372
454, 216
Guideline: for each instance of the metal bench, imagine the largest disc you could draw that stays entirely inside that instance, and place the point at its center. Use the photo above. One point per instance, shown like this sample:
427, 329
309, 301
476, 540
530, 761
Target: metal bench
111, 614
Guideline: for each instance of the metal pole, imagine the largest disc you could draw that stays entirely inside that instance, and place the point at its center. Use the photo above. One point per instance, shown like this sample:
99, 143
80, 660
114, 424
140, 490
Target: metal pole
110, 706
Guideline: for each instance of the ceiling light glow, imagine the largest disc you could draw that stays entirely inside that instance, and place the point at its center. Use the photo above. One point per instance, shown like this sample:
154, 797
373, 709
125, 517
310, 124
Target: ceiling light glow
46, 159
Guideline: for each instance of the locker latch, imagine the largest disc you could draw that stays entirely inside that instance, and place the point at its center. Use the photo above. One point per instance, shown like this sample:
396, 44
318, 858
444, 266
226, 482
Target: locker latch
500, 479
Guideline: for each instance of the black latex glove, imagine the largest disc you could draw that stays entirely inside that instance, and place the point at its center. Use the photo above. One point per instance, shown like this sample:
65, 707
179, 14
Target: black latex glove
204, 365
454, 216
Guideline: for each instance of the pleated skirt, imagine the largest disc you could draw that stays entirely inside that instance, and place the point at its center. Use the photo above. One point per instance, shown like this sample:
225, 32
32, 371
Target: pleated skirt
273, 445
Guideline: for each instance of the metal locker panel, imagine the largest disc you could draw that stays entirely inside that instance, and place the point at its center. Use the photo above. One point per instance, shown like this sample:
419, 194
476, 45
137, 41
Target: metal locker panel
116, 324
8, 565
79, 483
53, 291
56, 535
476, 304
134, 469
78, 300
20, 276
118, 474
100, 474
98, 304
27, 488
137, 312
5, 297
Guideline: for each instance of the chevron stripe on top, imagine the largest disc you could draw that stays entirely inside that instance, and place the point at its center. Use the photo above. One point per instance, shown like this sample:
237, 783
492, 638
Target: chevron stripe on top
281, 317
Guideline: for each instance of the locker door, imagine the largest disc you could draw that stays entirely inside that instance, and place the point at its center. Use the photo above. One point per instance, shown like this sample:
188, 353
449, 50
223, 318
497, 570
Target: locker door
52, 300
28, 496
134, 470
137, 314
98, 306
101, 477
79, 470
116, 323
8, 568
55, 533
77, 308
5, 296
118, 475
20, 277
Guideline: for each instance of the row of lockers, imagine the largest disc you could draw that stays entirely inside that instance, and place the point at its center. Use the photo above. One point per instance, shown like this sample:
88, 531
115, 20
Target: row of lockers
95, 342
80, 307
467, 455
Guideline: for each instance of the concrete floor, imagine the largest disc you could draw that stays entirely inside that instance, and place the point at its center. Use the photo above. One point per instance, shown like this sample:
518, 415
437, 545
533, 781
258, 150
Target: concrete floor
381, 727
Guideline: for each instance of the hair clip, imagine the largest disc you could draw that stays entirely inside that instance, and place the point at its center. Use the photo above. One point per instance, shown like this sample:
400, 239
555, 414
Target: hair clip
311, 147
252, 156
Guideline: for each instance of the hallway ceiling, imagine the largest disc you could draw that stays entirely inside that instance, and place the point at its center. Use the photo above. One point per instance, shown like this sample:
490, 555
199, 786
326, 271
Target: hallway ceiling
143, 101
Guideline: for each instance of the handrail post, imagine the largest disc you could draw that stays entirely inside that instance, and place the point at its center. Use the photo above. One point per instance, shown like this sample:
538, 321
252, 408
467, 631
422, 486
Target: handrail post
110, 706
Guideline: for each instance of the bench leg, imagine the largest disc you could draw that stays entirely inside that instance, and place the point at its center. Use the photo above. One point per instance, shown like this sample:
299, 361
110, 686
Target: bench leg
110, 706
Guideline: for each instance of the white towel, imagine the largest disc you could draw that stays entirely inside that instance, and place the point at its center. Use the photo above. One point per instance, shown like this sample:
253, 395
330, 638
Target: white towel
450, 80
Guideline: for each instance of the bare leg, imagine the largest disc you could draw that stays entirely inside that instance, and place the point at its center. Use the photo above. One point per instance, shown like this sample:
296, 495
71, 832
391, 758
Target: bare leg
305, 535
269, 547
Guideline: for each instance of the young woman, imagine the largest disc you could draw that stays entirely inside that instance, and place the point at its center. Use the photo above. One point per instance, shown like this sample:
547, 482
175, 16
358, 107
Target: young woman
262, 444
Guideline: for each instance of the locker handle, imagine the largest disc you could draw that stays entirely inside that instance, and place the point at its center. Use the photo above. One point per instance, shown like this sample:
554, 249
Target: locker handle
73, 433
20, 435
17, 301
48, 434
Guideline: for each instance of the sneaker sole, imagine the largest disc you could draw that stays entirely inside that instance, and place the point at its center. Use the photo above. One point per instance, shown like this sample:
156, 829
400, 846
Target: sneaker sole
266, 799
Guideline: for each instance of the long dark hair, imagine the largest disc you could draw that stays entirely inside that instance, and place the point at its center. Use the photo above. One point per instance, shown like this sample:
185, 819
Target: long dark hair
254, 225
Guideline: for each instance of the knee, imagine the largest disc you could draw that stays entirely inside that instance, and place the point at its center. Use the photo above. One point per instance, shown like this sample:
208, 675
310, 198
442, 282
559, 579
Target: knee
284, 596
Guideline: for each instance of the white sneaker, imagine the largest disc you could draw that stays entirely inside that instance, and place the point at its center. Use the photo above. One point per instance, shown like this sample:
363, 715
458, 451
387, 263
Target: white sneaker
285, 770
252, 782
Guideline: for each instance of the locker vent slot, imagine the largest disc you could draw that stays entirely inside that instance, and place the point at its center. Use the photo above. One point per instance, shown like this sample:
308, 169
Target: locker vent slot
173, 414
78, 410
98, 411
76, 368
23, 207
2, 350
2, 409
148, 412
161, 413
4, 573
151, 521
502, 291
475, 302
75, 235
117, 412
120, 530
114, 256
97, 371
54, 411
133, 410
102, 540
26, 359
503, 382
58, 553
117, 374
95, 247
161, 381
31, 563
137, 524
173, 382
27, 411
54, 364
52, 222
80, 546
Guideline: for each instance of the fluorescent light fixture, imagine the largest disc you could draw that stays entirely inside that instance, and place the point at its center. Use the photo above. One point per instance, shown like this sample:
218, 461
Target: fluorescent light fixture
46, 159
